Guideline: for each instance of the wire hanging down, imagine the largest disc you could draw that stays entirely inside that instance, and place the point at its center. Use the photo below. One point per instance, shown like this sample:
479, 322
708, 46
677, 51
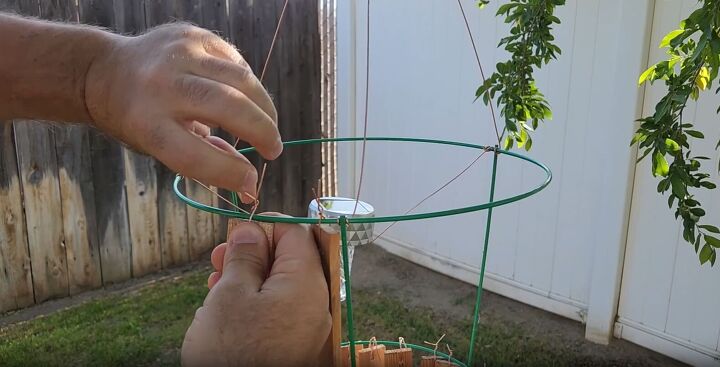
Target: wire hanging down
256, 200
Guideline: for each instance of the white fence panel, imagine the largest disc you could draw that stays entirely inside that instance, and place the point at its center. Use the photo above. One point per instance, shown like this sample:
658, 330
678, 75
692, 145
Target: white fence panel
668, 302
422, 80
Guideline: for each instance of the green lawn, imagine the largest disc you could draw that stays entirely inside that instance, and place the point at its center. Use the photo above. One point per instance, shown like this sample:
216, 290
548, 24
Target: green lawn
146, 327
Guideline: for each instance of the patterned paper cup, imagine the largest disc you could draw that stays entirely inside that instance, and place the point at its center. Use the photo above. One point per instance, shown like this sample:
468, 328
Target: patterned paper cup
357, 233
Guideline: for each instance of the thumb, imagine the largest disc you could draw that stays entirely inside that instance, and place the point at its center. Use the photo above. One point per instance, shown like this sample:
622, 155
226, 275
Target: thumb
246, 262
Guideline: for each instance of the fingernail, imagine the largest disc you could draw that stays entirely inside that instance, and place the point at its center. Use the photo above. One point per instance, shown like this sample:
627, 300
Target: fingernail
245, 236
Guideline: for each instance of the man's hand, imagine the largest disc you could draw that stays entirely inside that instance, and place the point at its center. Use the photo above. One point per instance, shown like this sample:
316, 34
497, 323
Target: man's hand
260, 311
162, 92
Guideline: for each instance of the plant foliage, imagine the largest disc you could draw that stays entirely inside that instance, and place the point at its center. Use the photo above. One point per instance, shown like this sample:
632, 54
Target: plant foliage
512, 85
692, 66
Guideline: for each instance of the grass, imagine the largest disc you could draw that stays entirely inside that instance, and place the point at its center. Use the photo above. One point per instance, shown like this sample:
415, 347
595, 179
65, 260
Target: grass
146, 327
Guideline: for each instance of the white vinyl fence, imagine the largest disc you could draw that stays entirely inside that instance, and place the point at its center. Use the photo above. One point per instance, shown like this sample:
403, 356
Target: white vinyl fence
598, 245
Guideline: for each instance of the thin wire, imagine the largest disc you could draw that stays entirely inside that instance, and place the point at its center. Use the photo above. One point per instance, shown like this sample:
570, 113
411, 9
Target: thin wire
270, 51
256, 204
482, 72
272, 45
221, 197
262, 78
434, 192
367, 95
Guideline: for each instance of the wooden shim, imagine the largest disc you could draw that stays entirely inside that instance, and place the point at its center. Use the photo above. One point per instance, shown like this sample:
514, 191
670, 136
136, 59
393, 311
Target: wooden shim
373, 356
401, 357
15, 274
38, 170
78, 207
328, 242
428, 361
345, 354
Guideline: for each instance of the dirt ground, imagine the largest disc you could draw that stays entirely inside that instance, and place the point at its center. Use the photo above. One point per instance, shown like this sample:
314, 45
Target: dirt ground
376, 269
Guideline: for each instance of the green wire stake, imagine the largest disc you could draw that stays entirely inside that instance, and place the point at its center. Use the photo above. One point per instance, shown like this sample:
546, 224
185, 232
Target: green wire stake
348, 294
478, 300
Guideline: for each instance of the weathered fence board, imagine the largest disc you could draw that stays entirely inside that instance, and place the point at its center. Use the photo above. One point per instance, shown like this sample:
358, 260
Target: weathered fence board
107, 166
172, 214
41, 193
79, 210
15, 279
75, 176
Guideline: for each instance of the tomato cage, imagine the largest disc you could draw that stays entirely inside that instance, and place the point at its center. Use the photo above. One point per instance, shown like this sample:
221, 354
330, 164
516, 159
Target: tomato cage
340, 245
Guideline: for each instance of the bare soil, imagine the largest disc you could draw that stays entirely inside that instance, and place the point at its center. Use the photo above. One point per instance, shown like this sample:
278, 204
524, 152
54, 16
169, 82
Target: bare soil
376, 269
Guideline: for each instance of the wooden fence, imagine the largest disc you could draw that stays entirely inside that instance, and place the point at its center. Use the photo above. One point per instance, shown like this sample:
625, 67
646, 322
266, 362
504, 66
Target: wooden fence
79, 211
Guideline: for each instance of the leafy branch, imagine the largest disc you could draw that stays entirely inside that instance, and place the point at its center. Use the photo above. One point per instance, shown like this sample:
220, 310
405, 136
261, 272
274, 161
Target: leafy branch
692, 66
531, 46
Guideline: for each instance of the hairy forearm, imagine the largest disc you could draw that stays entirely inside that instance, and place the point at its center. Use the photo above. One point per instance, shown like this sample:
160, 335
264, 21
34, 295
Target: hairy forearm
43, 68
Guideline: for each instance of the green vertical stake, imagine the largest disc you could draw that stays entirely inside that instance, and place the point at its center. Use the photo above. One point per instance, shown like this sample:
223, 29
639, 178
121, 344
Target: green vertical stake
348, 294
478, 300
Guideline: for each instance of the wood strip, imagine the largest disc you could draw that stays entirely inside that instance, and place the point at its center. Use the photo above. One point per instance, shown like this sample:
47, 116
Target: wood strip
373, 356
329, 247
345, 354
401, 357
428, 361
16, 290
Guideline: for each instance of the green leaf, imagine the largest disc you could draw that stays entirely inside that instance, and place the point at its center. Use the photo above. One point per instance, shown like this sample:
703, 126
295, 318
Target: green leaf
508, 144
669, 37
705, 254
672, 145
698, 211
697, 243
695, 134
710, 228
712, 241
708, 185
647, 74
660, 165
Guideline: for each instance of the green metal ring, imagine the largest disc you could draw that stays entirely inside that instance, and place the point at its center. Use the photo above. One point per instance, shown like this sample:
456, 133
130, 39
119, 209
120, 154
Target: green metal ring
411, 346
385, 219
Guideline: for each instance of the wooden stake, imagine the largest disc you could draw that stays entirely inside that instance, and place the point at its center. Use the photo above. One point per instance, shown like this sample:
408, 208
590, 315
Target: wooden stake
329, 246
